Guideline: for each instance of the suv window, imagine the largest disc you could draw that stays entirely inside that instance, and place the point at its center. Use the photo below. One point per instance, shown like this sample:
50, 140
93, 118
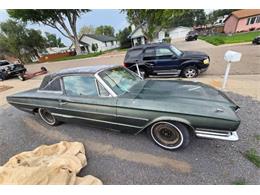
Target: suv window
163, 53
149, 54
80, 85
134, 53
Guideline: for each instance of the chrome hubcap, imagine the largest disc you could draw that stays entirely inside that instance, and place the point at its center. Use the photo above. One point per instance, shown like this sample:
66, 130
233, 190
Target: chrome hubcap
46, 116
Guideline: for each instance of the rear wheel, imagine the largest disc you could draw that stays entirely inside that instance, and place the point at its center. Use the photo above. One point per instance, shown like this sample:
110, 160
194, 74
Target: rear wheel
3, 76
170, 135
47, 117
190, 72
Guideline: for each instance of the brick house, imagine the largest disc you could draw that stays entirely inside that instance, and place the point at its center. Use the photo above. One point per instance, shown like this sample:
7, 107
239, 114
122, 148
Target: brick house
242, 21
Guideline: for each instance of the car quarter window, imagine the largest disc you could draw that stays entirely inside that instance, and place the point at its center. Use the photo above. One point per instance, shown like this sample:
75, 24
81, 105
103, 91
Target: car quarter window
133, 53
102, 91
80, 85
163, 51
53, 85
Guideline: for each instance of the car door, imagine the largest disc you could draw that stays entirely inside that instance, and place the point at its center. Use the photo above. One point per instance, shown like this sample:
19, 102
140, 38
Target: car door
149, 58
83, 100
166, 61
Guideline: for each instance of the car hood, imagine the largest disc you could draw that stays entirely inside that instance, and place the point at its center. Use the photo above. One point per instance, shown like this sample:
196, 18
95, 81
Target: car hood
194, 54
183, 97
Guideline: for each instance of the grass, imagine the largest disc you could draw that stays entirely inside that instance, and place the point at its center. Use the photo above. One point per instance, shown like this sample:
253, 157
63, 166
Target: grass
227, 39
239, 182
257, 137
89, 55
252, 156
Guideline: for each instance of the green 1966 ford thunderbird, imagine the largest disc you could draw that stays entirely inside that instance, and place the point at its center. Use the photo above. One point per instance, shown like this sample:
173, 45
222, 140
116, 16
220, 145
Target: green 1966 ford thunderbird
113, 97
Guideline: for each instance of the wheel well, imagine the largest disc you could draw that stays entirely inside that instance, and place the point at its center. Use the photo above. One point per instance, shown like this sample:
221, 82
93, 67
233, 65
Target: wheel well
35, 110
189, 127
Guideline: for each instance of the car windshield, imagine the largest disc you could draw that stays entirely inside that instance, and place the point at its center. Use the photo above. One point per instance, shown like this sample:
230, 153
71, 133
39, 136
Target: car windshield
176, 51
119, 79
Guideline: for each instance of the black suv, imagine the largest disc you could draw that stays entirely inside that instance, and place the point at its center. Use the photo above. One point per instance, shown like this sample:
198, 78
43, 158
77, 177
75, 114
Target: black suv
165, 59
9, 70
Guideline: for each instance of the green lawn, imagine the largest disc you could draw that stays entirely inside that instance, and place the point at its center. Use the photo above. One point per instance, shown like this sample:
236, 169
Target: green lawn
226, 39
78, 57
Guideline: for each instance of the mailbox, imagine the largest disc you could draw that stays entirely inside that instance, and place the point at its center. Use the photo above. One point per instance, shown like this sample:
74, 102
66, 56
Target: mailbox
232, 56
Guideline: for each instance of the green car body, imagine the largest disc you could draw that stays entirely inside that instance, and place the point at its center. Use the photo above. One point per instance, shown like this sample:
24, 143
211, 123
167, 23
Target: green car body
205, 111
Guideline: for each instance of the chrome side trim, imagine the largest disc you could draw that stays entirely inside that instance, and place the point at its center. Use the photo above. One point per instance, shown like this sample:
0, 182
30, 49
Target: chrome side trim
131, 117
49, 91
217, 134
114, 115
96, 120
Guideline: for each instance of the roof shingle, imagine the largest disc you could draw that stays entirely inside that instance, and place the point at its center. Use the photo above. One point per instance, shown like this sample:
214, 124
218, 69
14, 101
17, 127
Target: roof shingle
243, 13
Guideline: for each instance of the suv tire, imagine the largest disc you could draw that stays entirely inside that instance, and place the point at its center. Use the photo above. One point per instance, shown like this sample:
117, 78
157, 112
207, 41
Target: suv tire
190, 72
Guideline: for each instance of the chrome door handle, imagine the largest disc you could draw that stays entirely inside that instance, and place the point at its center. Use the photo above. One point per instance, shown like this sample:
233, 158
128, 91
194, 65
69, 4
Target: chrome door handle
62, 102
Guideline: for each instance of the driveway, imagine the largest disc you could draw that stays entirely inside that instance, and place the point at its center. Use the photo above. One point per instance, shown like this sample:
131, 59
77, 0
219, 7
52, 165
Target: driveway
127, 159
249, 64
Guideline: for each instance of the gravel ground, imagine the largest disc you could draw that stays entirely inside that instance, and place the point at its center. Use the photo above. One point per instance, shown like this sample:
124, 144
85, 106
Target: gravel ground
126, 159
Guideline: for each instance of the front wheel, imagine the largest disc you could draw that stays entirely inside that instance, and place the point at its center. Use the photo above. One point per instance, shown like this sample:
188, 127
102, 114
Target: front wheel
170, 135
47, 117
190, 72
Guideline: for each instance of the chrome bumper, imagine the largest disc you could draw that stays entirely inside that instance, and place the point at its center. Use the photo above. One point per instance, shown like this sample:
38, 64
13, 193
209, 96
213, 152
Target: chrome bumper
217, 134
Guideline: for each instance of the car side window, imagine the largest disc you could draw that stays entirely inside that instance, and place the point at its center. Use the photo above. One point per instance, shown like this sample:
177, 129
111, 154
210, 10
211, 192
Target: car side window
78, 85
149, 54
163, 52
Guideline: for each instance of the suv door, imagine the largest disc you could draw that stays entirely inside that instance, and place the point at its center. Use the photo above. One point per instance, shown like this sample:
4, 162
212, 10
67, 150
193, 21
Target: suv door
167, 62
149, 58
84, 99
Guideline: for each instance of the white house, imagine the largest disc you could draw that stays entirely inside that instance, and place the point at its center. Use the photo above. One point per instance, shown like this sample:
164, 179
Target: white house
137, 37
102, 42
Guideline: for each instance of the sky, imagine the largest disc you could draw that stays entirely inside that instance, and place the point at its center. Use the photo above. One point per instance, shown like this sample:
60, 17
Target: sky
95, 18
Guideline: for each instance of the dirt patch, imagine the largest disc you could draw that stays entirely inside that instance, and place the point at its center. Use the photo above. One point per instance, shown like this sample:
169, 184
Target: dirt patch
4, 88
109, 150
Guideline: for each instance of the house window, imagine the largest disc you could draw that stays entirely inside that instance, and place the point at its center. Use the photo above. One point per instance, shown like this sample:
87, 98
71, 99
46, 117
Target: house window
258, 19
252, 21
106, 44
248, 20
112, 43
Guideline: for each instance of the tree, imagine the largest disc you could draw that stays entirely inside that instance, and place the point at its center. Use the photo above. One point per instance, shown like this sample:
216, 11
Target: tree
152, 21
87, 30
199, 17
53, 41
122, 36
190, 18
105, 30
213, 16
17, 40
63, 20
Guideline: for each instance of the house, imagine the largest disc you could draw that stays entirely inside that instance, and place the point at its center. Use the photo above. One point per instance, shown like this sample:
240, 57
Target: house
137, 37
242, 21
220, 21
101, 42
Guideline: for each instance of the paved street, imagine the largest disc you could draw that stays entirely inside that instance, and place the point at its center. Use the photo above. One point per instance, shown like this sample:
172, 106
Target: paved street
126, 159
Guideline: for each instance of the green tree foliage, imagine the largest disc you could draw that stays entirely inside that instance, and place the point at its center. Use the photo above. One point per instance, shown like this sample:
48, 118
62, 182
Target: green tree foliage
154, 20
105, 30
122, 36
63, 20
191, 17
87, 30
17, 40
53, 41
213, 16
